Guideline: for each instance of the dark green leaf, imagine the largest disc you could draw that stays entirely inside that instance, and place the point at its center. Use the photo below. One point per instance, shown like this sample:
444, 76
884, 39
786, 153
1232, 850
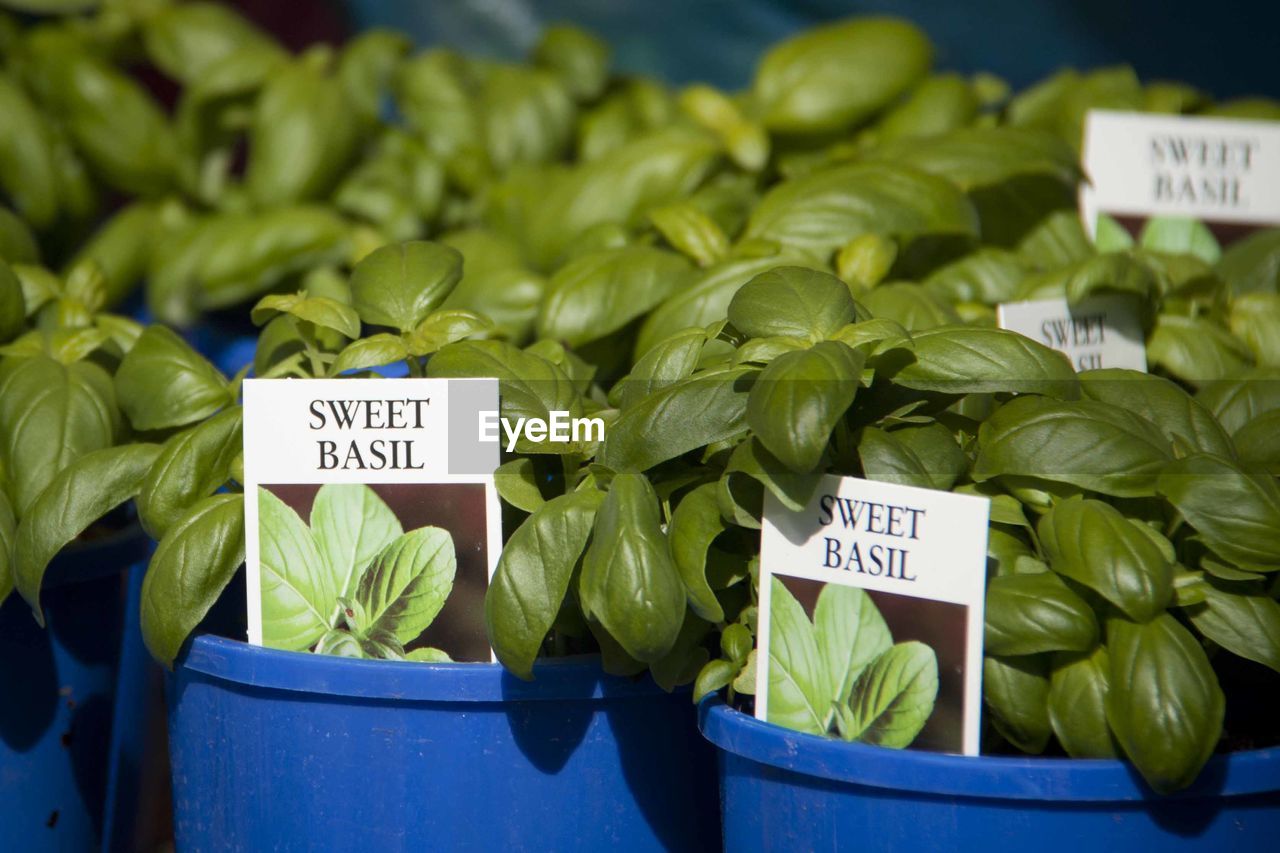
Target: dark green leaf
53, 415
695, 523
832, 77
968, 360
1163, 403
661, 367
1236, 512
1033, 613
1164, 704
792, 301
78, 496
1093, 543
1196, 349
820, 212
1241, 620
1085, 443
400, 284
629, 581
164, 383
517, 484
926, 456
194, 562
1016, 689
799, 398
191, 466
703, 409
980, 156
533, 576
1077, 703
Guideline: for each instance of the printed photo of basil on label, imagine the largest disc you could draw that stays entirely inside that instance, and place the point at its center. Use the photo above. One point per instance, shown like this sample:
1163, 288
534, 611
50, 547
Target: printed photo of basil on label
871, 615
372, 525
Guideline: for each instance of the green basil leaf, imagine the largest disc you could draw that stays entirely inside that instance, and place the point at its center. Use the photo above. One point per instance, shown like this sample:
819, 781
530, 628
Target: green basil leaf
1114, 272
577, 57
12, 305
366, 67
1164, 705
821, 211
79, 495
1239, 401
714, 675
191, 567
164, 383
927, 456
400, 284
533, 576
517, 484
444, 327
832, 77
852, 635
799, 398
1060, 442
1255, 319
792, 302
1078, 689
406, 585
1236, 513
26, 161
894, 696
705, 300
1178, 415
1241, 620
1258, 443
66, 412
122, 248
938, 104
186, 40
703, 409
981, 156
909, 305
1031, 613
687, 656
530, 386
968, 360
1252, 264
695, 524
1094, 544
629, 581
373, 351
754, 460
1175, 235
1196, 350
662, 366
298, 589
1016, 690
799, 695
191, 466
339, 643
597, 294
301, 136
352, 526
115, 123
620, 187
691, 232
320, 311
228, 258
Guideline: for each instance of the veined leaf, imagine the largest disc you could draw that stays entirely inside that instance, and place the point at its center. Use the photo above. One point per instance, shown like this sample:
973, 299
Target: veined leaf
406, 585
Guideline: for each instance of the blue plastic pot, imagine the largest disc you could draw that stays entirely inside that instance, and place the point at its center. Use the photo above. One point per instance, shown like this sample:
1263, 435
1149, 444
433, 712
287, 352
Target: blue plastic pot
62, 686
783, 790
283, 751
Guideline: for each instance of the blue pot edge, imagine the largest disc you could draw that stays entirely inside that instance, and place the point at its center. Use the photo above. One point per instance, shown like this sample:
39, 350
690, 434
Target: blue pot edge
239, 663
978, 777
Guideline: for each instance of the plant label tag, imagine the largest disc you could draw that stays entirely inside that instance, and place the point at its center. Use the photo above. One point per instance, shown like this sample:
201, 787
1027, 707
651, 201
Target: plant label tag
871, 615
1223, 172
1100, 331
372, 522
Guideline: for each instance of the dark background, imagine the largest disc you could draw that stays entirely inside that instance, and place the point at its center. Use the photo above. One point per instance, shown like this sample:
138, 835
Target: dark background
940, 625
458, 508
1227, 47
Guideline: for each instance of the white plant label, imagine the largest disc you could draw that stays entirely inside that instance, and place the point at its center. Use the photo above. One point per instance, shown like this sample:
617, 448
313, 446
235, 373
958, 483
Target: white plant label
920, 555
1101, 331
1211, 169
351, 471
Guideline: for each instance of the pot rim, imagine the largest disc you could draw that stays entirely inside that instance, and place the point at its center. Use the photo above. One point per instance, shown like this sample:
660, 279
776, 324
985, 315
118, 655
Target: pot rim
255, 667
979, 777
